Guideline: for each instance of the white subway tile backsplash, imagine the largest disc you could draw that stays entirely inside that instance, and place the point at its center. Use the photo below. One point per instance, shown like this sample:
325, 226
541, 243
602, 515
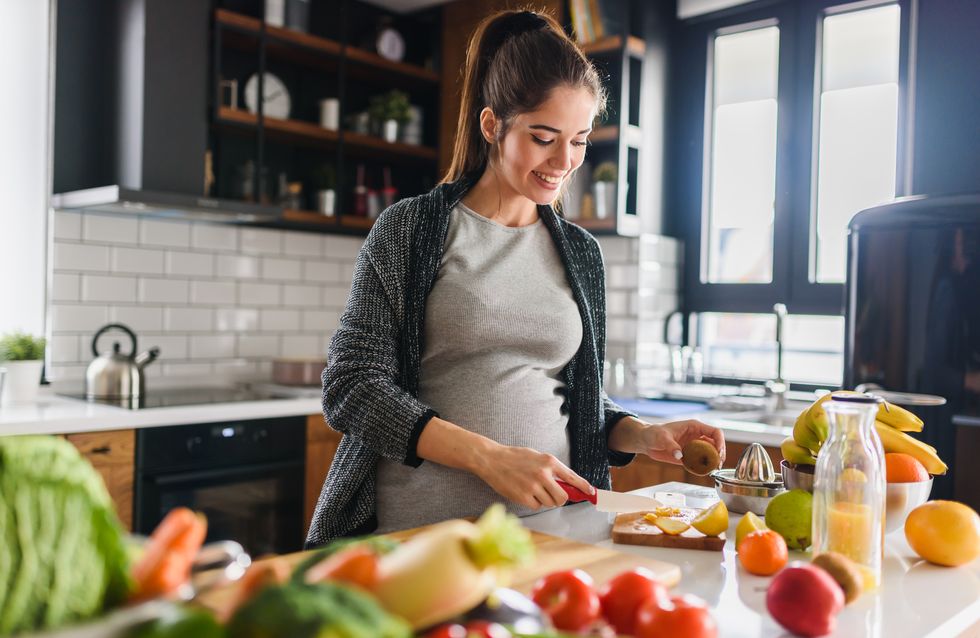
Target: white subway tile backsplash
258, 346
300, 295
172, 347
335, 296
214, 292
67, 225
77, 317
622, 276
186, 369
237, 266
343, 249
620, 250
65, 287
62, 372
107, 288
189, 264
295, 244
321, 271
261, 240
155, 232
80, 257
218, 237
188, 319
282, 269
236, 319
142, 319
64, 349
279, 320
137, 260
320, 320
620, 330
115, 229
212, 347
242, 368
256, 294
163, 290
305, 346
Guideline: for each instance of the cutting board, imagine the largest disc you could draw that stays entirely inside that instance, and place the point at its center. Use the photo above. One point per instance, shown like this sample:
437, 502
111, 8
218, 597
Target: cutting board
634, 529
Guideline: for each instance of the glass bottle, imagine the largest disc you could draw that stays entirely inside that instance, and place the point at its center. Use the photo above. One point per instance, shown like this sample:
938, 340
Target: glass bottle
849, 486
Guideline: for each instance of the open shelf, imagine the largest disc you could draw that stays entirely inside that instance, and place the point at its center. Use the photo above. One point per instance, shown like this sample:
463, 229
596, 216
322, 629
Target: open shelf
607, 224
634, 45
310, 134
311, 218
314, 50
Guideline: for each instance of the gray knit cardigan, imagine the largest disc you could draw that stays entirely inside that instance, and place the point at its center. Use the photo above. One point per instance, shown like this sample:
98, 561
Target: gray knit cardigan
370, 384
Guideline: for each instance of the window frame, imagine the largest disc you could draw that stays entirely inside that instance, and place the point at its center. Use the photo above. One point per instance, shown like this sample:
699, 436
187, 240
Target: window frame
798, 94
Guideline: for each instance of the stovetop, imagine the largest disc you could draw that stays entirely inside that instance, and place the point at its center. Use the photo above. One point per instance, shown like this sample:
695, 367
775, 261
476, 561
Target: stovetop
172, 397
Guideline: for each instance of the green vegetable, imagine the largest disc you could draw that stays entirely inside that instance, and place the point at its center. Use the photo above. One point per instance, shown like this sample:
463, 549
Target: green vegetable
62, 555
322, 610
381, 545
181, 622
605, 172
20, 346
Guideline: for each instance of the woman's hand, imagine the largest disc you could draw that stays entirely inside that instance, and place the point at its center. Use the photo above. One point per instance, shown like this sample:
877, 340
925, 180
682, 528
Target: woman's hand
528, 477
662, 442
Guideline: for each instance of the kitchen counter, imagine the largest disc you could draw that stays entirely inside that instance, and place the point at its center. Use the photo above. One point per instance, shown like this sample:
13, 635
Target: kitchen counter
916, 599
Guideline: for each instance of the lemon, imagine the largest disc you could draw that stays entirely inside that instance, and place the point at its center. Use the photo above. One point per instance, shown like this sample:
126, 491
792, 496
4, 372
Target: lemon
672, 526
712, 521
749, 523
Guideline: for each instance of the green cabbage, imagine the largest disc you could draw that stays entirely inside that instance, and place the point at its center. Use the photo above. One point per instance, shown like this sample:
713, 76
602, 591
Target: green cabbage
62, 553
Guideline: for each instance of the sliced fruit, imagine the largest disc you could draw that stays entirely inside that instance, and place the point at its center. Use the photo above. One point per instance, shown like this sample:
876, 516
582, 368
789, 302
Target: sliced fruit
672, 526
749, 523
712, 521
650, 517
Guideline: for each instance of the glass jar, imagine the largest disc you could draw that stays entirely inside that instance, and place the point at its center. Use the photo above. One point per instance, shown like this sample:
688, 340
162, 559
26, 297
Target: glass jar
849, 486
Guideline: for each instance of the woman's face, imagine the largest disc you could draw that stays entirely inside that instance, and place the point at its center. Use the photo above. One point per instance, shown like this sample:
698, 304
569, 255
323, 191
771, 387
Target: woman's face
544, 146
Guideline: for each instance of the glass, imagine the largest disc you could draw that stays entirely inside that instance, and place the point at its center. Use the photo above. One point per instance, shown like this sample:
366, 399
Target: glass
738, 228
857, 135
849, 487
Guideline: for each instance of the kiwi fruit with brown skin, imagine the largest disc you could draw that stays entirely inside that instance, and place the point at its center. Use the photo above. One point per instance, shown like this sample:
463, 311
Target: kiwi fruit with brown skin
843, 570
700, 457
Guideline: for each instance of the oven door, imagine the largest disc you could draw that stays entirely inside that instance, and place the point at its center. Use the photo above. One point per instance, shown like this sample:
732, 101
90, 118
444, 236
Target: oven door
258, 505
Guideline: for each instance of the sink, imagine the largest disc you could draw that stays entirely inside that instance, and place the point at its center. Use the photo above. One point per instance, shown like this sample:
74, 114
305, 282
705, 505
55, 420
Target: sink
781, 418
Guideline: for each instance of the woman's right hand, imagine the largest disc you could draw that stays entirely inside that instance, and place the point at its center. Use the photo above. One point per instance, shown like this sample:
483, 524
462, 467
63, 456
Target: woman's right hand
528, 477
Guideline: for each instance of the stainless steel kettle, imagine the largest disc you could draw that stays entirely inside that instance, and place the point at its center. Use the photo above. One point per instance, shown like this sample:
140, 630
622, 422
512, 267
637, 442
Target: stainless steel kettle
114, 375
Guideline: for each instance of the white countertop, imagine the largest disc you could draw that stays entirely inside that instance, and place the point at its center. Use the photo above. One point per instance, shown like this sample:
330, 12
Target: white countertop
916, 599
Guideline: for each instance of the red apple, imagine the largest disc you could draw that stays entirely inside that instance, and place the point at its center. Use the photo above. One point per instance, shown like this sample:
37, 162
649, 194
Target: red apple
805, 600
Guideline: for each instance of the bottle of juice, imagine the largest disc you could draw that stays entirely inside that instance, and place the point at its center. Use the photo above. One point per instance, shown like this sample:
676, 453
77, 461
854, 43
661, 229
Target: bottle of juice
849, 486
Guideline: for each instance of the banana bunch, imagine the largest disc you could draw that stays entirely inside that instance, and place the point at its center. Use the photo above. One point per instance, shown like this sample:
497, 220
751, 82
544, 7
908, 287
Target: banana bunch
892, 423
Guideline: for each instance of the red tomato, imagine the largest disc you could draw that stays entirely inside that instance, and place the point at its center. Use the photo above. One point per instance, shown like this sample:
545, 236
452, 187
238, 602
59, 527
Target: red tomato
622, 597
447, 631
568, 599
486, 629
686, 616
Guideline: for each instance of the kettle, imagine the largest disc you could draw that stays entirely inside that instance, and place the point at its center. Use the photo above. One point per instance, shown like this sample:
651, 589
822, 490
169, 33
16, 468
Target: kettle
115, 375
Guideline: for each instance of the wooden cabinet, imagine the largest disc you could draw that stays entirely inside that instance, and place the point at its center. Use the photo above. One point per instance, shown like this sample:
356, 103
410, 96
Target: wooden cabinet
112, 453
643, 471
321, 445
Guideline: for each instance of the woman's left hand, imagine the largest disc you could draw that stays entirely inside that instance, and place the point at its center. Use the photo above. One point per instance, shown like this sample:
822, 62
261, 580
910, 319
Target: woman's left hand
664, 442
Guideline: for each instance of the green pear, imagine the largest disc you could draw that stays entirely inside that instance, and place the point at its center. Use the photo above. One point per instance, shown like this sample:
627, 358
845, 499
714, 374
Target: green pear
790, 514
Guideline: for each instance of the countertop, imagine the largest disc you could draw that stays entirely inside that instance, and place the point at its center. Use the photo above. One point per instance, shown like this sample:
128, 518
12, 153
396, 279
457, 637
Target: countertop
56, 414
916, 599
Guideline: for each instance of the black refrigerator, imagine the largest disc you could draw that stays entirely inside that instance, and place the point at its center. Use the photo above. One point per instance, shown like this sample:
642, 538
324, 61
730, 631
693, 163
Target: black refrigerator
913, 320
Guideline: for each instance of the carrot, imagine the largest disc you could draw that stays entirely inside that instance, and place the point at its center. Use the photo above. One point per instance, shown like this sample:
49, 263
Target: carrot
258, 577
356, 565
166, 563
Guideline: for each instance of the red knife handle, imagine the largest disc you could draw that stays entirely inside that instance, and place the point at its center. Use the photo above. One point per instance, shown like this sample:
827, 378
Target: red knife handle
576, 495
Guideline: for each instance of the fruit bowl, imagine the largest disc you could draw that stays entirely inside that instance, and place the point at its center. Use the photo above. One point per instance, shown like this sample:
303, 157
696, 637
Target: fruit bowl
796, 477
901, 499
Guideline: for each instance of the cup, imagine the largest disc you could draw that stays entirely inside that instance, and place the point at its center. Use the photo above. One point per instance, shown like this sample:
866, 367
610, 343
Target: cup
330, 113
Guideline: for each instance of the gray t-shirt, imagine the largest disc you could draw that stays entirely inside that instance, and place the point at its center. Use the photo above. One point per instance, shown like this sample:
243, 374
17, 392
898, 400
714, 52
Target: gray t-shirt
500, 325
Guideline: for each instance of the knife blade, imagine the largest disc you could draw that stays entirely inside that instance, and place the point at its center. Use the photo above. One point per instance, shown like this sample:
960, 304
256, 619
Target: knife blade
609, 501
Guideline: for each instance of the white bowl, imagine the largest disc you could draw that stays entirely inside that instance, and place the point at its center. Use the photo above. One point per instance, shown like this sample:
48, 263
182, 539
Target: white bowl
901, 499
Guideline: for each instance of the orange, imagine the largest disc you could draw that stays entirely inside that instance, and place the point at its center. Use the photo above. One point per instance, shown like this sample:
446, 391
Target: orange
944, 532
763, 553
904, 468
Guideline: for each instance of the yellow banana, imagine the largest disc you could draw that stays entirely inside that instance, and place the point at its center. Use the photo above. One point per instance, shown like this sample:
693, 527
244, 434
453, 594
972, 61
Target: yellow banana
899, 418
804, 434
796, 453
894, 441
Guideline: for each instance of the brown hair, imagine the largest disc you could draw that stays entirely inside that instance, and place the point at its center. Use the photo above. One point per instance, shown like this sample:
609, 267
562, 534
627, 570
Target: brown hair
513, 61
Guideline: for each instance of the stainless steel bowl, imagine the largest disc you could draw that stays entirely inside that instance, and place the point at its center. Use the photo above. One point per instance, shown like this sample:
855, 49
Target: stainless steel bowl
901, 499
744, 496
799, 477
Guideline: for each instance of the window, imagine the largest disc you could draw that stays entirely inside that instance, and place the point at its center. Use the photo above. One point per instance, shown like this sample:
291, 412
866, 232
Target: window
789, 121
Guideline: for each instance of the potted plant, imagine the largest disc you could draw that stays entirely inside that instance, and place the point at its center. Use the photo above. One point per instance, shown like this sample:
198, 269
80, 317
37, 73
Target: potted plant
325, 182
22, 356
389, 110
604, 189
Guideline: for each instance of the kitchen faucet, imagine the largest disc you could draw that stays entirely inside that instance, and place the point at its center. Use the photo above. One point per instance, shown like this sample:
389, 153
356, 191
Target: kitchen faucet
777, 387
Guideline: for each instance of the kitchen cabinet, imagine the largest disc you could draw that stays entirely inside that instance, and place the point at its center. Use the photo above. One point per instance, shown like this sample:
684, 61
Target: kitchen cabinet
644, 471
112, 454
321, 445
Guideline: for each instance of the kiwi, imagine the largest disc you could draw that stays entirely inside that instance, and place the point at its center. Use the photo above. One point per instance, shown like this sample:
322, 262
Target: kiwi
843, 570
700, 457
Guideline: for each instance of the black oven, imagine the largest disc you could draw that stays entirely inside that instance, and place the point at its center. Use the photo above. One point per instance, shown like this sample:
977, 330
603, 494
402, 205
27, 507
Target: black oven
246, 476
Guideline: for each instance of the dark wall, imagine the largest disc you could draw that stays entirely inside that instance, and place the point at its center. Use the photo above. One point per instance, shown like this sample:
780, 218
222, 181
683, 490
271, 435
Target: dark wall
947, 98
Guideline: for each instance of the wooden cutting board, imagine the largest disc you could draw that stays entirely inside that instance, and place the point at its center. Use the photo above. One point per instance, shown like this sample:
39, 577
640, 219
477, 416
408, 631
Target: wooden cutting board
634, 529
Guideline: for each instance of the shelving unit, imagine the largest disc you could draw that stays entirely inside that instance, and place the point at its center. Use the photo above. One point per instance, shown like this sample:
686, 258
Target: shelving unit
298, 148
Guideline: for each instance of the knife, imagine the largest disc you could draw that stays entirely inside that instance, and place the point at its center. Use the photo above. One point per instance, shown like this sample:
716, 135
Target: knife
609, 501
